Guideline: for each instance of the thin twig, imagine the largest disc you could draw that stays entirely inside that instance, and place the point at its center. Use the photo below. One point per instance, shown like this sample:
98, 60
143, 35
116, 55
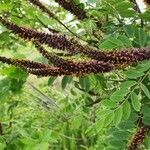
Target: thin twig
42, 95
89, 92
98, 100
137, 8
1, 129
45, 26
52, 15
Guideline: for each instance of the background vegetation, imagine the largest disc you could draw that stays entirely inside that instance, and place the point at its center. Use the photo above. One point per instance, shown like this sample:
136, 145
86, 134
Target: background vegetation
94, 112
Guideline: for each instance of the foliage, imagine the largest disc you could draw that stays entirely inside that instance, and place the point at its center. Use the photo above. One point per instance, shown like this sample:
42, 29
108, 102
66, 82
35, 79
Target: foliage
92, 112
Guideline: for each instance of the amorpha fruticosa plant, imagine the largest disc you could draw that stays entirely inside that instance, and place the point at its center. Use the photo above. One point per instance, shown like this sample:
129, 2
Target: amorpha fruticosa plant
96, 60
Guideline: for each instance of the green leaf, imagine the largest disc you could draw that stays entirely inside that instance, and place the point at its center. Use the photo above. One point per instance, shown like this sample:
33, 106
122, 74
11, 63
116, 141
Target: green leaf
73, 92
135, 101
76, 122
65, 81
130, 30
133, 74
112, 148
46, 135
120, 144
126, 110
89, 26
100, 82
44, 19
84, 83
4, 88
15, 73
128, 9
128, 13
119, 95
109, 103
2, 146
118, 116
7, 6
145, 90
99, 125
91, 130
146, 110
16, 85
51, 80
144, 66
121, 135
103, 113
146, 15
140, 37
128, 84
146, 120
28, 141
17, 78
124, 4
125, 40
109, 118
111, 43
42, 146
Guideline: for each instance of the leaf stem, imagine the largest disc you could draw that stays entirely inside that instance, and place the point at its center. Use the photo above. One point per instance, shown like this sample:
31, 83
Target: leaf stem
1, 129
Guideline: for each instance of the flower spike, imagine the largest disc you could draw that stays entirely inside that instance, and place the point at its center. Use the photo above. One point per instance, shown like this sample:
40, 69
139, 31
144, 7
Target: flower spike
127, 56
23, 63
139, 137
75, 67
